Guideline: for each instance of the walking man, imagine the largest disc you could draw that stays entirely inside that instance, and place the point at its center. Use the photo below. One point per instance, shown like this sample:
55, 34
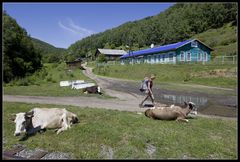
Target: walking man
148, 91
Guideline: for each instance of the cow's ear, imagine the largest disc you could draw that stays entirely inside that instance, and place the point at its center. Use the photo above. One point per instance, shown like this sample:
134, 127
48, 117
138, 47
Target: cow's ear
29, 114
185, 103
13, 117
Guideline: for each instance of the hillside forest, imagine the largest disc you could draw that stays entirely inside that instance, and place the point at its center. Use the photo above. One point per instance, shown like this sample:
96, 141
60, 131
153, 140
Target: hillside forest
213, 23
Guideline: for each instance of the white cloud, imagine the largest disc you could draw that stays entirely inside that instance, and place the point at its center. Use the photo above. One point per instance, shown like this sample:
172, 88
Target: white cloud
70, 26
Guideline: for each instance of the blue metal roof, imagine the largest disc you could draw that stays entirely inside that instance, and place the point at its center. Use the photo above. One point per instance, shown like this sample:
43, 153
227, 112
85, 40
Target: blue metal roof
157, 49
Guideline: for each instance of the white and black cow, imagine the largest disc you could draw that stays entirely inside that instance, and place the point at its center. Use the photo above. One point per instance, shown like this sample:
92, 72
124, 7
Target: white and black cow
38, 119
93, 89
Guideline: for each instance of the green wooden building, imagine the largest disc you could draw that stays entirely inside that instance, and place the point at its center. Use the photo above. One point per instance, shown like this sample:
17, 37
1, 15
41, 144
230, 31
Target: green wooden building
187, 51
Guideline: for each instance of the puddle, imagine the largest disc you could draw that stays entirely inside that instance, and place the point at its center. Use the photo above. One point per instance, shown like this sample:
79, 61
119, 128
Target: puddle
179, 99
208, 106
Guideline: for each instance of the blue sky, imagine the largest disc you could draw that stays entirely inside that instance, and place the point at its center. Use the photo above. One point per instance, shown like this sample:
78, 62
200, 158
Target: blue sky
62, 24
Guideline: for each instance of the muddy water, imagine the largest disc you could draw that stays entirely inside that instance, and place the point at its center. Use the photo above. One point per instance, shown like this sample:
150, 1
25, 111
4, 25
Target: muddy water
208, 104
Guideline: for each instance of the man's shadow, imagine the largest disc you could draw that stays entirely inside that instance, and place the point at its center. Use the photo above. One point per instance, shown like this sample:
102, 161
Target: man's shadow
148, 105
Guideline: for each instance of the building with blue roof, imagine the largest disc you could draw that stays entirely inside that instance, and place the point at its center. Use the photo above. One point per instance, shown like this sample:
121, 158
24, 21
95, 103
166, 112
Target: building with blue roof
187, 51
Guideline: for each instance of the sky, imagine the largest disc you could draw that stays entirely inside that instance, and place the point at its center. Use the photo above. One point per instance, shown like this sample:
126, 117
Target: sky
62, 24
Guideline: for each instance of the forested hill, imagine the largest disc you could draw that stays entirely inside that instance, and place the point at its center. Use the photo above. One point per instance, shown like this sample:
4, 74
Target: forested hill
49, 52
178, 23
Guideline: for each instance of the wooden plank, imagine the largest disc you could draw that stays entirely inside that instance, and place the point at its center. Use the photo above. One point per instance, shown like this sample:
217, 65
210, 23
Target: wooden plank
7, 156
38, 155
15, 150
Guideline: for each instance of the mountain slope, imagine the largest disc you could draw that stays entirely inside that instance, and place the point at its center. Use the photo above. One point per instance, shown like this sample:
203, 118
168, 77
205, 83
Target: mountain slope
178, 23
49, 52
223, 40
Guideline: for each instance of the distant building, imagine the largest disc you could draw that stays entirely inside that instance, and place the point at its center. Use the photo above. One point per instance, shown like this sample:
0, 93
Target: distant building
187, 51
75, 64
111, 54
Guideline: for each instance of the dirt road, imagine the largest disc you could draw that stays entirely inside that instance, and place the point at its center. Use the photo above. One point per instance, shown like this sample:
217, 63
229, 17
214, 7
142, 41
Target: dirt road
127, 97
124, 101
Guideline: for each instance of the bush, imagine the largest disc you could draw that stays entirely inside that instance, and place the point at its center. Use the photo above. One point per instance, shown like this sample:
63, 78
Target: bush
187, 77
49, 78
23, 82
60, 75
101, 58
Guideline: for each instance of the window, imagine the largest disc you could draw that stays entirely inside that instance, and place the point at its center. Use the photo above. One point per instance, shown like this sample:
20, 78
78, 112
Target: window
188, 56
194, 44
160, 58
149, 58
182, 56
155, 58
205, 56
171, 57
199, 56
163, 57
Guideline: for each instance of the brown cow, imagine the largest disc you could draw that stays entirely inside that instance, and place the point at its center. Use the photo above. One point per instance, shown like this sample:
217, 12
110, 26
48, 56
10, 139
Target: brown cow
171, 113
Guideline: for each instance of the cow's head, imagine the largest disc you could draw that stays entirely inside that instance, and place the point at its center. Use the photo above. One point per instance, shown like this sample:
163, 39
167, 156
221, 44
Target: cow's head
74, 119
192, 107
23, 122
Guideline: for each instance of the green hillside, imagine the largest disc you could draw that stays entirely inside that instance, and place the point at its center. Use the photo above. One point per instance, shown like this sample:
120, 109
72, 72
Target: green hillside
49, 53
223, 40
178, 23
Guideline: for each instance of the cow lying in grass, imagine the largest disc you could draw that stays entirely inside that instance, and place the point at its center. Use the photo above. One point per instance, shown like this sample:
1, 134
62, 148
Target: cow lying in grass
93, 89
171, 113
38, 119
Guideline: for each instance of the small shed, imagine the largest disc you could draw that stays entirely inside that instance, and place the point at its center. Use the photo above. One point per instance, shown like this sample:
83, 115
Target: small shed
75, 64
111, 54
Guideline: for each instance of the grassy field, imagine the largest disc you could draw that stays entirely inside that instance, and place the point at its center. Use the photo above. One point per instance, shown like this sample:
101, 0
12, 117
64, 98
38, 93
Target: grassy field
223, 40
208, 74
176, 77
46, 82
128, 135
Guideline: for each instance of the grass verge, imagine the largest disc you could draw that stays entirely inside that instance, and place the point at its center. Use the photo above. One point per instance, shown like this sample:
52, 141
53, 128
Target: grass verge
103, 134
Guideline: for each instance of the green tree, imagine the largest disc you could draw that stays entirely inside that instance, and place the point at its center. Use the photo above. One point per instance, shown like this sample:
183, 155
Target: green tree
101, 58
178, 23
19, 56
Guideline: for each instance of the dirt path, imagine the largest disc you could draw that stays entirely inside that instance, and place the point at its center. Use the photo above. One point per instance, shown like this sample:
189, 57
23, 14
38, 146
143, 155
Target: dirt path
91, 102
123, 101
108, 86
127, 97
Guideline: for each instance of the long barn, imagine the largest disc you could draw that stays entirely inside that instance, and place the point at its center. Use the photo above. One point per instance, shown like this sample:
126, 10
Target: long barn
187, 51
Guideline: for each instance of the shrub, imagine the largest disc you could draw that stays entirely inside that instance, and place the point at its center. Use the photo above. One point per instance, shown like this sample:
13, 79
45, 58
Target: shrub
49, 78
187, 77
23, 82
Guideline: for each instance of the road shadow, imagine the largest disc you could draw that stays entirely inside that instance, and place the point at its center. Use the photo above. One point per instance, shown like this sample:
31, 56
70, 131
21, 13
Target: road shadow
148, 105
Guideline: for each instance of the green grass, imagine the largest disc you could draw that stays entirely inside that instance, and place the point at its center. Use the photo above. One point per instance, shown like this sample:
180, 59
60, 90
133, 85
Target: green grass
223, 40
52, 89
46, 82
179, 73
128, 134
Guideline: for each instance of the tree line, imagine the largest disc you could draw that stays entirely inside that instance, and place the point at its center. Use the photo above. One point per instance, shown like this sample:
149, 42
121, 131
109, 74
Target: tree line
19, 56
49, 53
